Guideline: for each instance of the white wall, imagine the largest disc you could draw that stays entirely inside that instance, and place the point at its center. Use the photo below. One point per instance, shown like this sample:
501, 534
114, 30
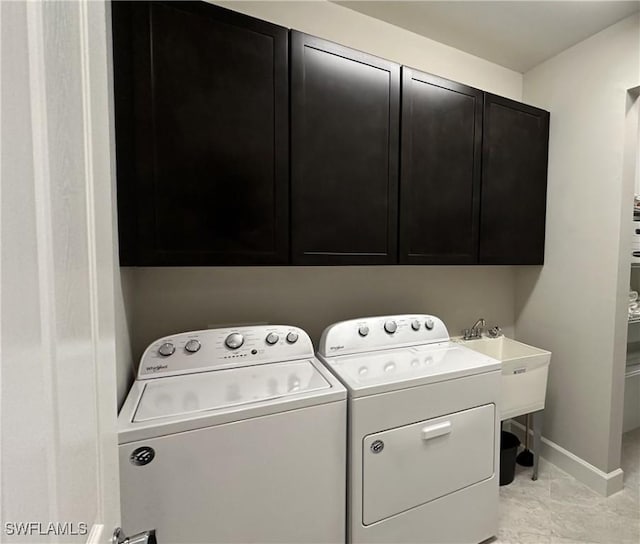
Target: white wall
575, 305
161, 301
347, 27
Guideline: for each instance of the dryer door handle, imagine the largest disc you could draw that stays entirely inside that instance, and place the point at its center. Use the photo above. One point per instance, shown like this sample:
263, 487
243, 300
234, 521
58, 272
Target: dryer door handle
433, 431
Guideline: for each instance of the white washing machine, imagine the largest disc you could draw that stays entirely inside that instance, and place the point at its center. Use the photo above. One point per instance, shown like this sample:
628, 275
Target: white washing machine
234, 435
423, 445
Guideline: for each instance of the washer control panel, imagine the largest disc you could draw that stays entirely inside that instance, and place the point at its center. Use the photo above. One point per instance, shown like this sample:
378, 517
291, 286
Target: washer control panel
384, 332
216, 349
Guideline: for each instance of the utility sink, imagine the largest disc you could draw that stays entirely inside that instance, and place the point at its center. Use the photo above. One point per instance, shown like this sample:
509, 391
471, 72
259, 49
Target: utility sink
524, 373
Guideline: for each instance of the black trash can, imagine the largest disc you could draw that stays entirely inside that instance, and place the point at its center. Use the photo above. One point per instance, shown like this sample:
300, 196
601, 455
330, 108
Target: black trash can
509, 443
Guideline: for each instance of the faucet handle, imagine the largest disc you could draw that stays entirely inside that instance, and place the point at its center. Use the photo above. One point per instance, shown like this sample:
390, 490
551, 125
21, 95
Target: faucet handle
494, 332
466, 334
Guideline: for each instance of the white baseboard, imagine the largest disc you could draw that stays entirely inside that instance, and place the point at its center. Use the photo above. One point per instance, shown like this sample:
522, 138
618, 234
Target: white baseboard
95, 535
605, 483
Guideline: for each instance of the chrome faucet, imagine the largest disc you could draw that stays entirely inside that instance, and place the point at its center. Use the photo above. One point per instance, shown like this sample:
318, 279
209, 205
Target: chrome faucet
475, 331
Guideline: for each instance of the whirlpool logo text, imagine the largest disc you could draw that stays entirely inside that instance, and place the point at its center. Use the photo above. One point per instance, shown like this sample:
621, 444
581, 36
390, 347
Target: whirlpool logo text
155, 368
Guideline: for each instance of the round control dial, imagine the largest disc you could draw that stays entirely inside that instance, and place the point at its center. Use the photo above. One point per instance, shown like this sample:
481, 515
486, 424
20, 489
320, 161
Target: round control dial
390, 326
429, 324
363, 330
415, 325
166, 349
292, 337
272, 338
192, 345
234, 340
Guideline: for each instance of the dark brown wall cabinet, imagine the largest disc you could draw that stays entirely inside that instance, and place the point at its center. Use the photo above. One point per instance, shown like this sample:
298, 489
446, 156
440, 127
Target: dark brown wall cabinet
202, 135
209, 104
344, 154
440, 170
514, 182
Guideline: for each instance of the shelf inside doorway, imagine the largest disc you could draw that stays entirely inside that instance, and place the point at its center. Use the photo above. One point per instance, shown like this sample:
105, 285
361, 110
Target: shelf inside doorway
633, 356
632, 370
634, 320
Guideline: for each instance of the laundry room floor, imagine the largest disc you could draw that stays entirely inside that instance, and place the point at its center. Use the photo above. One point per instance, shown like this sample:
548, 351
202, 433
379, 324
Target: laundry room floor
557, 509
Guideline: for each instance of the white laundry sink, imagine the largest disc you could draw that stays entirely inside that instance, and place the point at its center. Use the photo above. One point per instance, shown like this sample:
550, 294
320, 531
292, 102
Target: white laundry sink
524, 373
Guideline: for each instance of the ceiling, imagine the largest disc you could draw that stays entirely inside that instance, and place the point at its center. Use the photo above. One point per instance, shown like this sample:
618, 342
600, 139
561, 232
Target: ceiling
515, 34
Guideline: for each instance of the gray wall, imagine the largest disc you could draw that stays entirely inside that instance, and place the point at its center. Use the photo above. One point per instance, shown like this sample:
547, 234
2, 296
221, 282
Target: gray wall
124, 300
162, 301
576, 305
169, 300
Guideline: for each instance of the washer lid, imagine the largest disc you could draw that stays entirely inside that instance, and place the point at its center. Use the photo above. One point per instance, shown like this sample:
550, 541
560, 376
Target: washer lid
389, 370
221, 389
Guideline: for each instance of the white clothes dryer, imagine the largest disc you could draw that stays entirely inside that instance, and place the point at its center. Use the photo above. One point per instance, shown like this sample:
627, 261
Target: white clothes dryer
423, 442
234, 435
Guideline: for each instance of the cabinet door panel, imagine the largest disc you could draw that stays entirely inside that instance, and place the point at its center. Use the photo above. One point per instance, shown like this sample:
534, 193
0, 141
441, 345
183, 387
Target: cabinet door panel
210, 102
514, 182
440, 170
344, 142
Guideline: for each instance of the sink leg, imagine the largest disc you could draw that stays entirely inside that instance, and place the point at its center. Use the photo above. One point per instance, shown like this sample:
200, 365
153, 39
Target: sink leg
537, 441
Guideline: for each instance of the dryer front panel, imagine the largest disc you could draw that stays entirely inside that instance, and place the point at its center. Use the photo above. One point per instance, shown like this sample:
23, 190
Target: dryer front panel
411, 465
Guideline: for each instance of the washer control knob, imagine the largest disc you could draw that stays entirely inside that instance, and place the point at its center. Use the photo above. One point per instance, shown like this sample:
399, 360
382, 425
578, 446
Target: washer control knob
234, 340
192, 346
391, 326
166, 349
292, 337
272, 338
428, 323
363, 330
415, 325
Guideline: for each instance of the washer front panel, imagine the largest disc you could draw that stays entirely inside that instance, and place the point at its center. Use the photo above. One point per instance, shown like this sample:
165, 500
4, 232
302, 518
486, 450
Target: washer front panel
273, 479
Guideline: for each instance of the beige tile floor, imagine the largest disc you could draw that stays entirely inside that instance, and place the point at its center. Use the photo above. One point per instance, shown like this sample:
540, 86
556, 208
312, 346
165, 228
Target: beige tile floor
557, 509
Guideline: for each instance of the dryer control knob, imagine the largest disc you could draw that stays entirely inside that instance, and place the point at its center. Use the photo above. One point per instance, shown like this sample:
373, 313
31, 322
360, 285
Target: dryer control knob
415, 325
192, 345
234, 340
292, 337
363, 330
272, 338
391, 326
166, 349
429, 323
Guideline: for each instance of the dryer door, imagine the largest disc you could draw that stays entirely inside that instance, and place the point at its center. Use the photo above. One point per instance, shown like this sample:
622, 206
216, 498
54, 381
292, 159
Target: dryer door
412, 465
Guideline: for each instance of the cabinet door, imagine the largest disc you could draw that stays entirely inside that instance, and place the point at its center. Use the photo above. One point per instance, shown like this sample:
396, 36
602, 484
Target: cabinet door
344, 152
514, 182
440, 170
202, 135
